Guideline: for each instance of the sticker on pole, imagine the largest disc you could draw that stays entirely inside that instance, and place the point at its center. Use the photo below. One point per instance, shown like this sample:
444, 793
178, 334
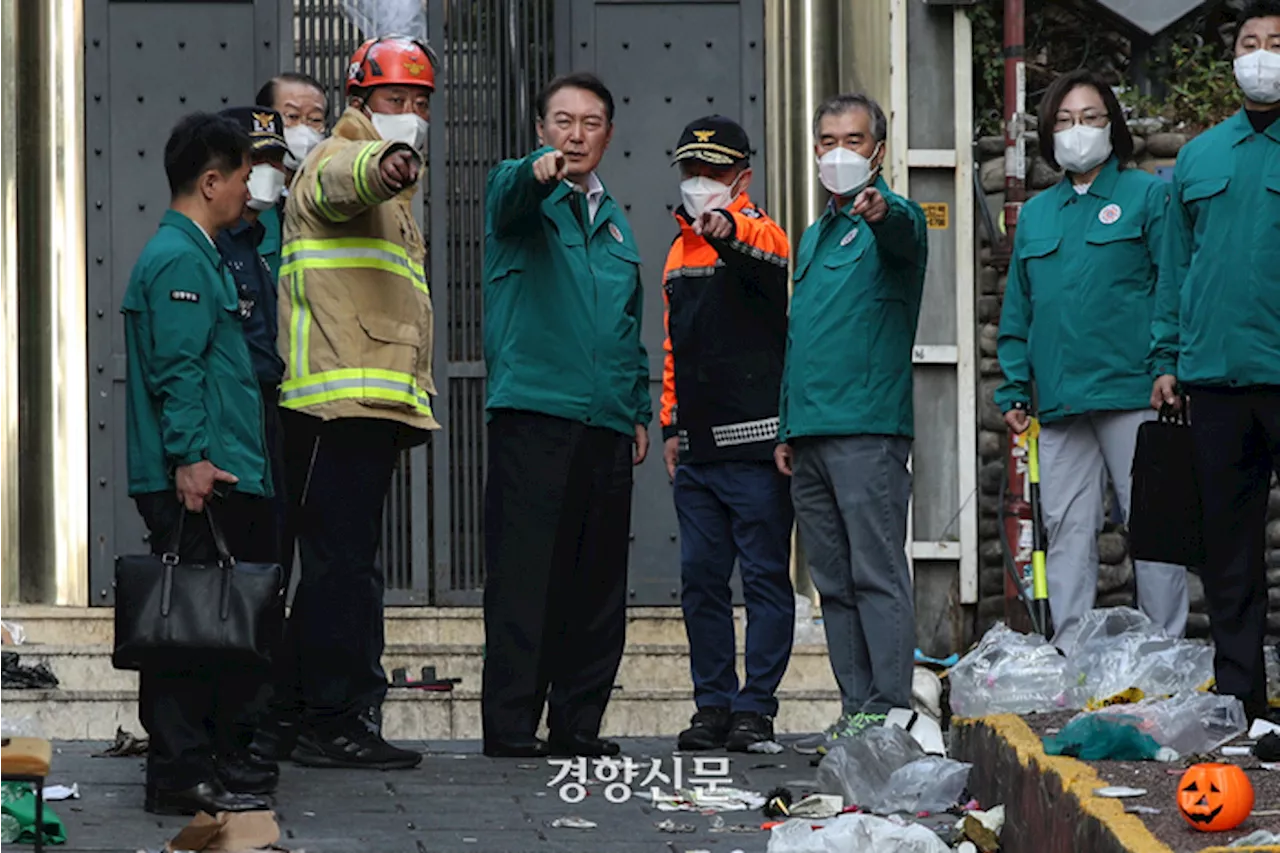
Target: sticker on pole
1109, 214
937, 214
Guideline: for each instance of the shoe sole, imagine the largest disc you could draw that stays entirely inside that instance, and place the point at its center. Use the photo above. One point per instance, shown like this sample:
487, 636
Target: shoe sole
805, 750
325, 762
183, 811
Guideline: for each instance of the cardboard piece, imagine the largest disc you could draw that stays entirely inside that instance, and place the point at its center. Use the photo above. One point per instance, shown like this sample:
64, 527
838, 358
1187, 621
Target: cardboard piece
228, 832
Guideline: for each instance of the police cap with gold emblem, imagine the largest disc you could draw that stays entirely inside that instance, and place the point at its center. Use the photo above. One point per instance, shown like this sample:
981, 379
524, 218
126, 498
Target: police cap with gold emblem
716, 140
264, 126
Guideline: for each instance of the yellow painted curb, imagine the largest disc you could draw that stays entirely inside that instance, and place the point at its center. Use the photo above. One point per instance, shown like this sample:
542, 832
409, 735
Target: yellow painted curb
1076, 778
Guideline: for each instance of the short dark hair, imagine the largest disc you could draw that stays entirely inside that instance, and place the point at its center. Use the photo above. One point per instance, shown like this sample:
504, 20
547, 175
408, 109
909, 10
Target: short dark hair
576, 80
267, 94
1121, 138
200, 142
1255, 9
841, 104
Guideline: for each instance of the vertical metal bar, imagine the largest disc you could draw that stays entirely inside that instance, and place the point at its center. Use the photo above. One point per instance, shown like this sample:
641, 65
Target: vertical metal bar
966, 373
1015, 105
438, 188
52, 369
10, 455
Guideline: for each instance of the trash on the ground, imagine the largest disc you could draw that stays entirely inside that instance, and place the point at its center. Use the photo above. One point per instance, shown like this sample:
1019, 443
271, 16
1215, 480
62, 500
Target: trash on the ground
1259, 838
669, 825
17, 675
818, 806
18, 816
982, 828
966, 847
1124, 697
55, 793
1237, 751
926, 692
240, 831
765, 747
717, 822
1096, 738
884, 770
777, 803
126, 745
1262, 727
1136, 809
809, 628
1116, 649
853, 832
923, 728
1267, 748
1187, 723
721, 799
573, 823
12, 633
1010, 673
1119, 792
942, 663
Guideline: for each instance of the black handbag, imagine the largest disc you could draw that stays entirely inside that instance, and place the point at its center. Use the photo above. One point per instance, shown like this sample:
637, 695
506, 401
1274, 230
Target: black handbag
171, 613
1166, 519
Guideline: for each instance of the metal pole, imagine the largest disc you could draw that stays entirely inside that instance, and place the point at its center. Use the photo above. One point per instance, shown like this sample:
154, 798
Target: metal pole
1016, 509
1015, 106
9, 454
52, 374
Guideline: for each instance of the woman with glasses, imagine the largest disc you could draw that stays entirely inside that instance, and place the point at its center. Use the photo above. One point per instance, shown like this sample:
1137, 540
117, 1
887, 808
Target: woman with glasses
1076, 328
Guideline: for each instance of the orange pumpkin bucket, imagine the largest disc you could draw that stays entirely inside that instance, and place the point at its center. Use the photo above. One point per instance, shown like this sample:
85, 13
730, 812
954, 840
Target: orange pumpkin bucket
1215, 797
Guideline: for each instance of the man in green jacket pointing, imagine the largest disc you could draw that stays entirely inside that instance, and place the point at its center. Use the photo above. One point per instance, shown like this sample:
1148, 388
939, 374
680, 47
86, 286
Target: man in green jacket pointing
568, 411
846, 420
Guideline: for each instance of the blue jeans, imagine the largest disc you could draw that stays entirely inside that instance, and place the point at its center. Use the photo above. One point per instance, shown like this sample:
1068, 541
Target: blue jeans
735, 512
851, 497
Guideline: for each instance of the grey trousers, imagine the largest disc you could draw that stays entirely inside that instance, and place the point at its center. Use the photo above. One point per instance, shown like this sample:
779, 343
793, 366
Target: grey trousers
1076, 455
850, 496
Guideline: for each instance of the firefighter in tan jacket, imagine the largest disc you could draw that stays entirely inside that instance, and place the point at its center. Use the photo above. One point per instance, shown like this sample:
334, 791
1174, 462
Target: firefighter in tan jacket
355, 335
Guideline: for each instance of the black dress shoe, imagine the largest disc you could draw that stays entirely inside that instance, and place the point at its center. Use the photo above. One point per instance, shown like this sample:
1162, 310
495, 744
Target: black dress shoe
247, 774
526, 747
209, 797
574, 745
275, 740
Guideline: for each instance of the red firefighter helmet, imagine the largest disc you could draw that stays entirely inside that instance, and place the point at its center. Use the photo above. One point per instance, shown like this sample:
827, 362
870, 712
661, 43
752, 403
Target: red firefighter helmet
392, 61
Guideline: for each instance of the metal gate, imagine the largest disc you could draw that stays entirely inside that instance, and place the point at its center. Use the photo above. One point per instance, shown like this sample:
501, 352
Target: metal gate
495, 56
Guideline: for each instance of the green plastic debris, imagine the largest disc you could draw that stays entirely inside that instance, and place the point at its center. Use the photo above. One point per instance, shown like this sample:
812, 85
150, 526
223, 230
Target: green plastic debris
1102, 737
18, 801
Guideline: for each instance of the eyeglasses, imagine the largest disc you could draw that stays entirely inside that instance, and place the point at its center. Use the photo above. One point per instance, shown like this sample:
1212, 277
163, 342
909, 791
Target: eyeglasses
1089, 118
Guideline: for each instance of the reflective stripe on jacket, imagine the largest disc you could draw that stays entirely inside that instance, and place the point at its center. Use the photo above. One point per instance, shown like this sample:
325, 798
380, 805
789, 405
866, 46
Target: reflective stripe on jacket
726, 323
355, 308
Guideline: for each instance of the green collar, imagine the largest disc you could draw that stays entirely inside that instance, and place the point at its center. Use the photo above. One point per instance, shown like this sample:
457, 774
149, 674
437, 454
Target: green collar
195, 233
1239, 128
1104, 183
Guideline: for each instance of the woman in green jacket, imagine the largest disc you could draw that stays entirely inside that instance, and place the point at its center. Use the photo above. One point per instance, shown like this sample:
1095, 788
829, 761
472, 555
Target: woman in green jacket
1076, 326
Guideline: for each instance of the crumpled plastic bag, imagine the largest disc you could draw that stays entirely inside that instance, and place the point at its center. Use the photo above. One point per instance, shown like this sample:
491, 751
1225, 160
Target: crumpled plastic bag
884, 770
853, 832
1010, 673
1189, 723
1119, 648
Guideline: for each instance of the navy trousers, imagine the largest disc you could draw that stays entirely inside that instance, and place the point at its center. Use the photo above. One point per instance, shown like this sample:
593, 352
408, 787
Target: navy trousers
736, 512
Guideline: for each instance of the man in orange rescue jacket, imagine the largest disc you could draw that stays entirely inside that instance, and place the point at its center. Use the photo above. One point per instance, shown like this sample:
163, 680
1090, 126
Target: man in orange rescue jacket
726, 316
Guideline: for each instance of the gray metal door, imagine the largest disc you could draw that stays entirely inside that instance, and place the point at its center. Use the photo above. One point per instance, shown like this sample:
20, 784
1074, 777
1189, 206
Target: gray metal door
666, 63
146, 65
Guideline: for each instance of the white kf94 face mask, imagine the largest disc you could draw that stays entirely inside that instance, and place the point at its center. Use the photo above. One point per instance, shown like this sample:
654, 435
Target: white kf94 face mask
845, 173
301, 139
1081, 147
1258, 74
703, 193
266, 183
409, 128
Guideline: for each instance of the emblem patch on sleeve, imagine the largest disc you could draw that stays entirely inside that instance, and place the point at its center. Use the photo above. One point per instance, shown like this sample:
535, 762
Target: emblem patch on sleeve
184, 296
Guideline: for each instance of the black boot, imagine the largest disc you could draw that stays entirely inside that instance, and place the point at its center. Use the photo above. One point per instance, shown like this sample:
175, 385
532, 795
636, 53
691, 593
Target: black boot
208, 797
707, 730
